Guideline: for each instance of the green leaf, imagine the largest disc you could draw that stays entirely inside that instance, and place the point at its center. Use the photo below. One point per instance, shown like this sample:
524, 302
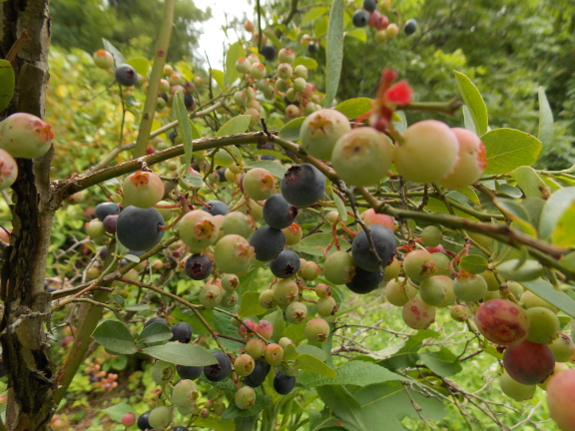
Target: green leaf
234, 126
118, 56
468, 119
357, 33
235, 51
470, 194
309, 63
334, 51
184, 128
290, 132
214, 423
274, 168
385, 404
117, 411
443, 363
517, 270
195, 132
250, 305
119, 299
140, 64
343, 404
508, 149
547, 291
132, 258
219, 77
472, 98
313, 14
359, 373
545, 133
438, 206
407, 356
315, 244
186, 70
530, 182
320, 27
564, 232
339, 205
355, 108
114, 336
182, 354
290, 353
155, 332
7, 82
312, 350
473, 263
314, 365
555, 206
295, 332
138, 307
188, 316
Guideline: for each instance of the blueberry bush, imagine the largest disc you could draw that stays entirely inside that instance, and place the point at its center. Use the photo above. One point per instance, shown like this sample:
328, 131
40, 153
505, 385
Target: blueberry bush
251, 249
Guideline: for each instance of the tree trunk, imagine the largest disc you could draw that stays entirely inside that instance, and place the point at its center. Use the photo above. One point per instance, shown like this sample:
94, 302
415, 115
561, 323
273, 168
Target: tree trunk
26, 354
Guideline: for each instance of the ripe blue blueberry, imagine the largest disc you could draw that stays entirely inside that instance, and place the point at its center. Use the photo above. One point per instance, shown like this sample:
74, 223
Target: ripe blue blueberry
221, 370
286, 264
216, 208
364, 281
106, 208
181, 332
410, 26
303, 185
384, 241
283, 384
258, 375
279, 213
198, 267
126, 75
189, 372
360, 18
137, 228
269, 52
267, 243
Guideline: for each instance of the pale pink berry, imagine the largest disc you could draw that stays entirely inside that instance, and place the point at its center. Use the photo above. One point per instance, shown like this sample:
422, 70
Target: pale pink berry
25, 136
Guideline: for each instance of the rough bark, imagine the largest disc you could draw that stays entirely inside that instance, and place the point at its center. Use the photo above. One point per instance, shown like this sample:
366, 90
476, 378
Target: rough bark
26, 305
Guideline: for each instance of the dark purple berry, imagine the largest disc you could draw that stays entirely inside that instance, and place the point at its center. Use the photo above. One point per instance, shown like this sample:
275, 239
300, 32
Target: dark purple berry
221, 370
279, 213
143, 422
370, 5
360, 18
103, 252
189, 372
216, 208
267, 157
384, 241
126, 75
173, 135
258, 375
303, 185
267, 243
181, 332
137, 228
165, 97
188, 100
283, 384
312, 47
286, 264
222, 176
410, 26
269, 52
106, 208
110, 223
364, 281
180, 428
198, 267
155, 319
